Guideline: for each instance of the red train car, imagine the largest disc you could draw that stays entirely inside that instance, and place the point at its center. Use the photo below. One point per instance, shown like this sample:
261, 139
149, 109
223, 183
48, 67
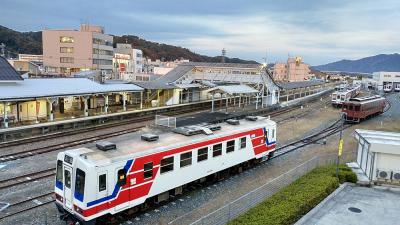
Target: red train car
357, 109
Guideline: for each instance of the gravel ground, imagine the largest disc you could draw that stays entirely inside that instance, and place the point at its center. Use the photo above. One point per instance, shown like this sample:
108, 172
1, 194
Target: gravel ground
196, 203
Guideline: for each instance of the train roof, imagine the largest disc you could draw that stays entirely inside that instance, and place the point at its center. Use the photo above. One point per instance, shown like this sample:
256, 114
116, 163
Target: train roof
132, 145
366, 99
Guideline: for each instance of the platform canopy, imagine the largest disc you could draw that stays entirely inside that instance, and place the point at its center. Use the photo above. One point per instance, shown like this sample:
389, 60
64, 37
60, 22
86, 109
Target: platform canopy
234, 89
58, 87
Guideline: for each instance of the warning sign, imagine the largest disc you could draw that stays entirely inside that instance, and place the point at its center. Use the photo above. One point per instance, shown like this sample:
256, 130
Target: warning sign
340, 147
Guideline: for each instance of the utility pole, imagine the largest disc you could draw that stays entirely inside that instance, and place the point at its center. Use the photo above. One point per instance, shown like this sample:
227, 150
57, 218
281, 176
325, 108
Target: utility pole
223, 55
340, 147
2, 47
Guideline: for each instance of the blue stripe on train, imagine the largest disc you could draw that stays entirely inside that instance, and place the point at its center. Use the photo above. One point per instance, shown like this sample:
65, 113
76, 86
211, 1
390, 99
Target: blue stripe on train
116, 188
59, 185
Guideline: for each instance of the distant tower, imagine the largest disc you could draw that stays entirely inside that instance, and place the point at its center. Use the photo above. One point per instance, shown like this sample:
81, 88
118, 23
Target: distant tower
223, 55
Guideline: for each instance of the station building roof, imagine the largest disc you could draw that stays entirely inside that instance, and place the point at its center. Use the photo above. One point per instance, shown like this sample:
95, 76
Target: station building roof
54, 87
7, 72
234, 89
380, 138
299, 84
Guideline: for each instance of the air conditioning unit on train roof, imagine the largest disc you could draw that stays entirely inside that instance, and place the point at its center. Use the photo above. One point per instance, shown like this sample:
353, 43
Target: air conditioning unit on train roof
149, 137
233, 122
106, 145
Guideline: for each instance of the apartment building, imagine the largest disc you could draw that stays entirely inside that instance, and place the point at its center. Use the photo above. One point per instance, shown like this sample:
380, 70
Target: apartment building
127, 60
293, 70
70, 51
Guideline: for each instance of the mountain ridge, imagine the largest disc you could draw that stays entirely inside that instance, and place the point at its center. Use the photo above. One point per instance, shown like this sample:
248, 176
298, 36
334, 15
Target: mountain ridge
370, 64
31, 43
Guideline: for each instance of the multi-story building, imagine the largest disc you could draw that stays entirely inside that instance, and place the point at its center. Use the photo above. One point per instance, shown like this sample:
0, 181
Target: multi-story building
293, 70
127, 60
69, 51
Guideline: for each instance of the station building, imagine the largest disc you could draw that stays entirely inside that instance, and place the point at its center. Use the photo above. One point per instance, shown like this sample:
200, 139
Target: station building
30, 101
27, 100
386, 78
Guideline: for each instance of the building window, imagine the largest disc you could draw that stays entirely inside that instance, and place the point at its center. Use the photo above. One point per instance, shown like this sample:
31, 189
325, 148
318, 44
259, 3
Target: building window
243, 142
98, 41
202, 154
97, 51
217, 150
167, 165
148, 170
102, 182
66, 50
186, 159
66, 60
230, 146
64, 39
102, 62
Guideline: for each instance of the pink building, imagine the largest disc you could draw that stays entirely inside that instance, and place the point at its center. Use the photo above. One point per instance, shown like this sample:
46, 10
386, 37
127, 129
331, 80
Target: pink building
293, 70
69, 51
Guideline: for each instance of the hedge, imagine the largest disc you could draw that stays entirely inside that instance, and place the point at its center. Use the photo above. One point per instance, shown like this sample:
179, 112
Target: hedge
292, 202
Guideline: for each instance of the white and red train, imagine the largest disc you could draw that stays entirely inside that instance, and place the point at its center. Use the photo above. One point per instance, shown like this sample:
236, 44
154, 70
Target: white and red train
154, 163
338, 97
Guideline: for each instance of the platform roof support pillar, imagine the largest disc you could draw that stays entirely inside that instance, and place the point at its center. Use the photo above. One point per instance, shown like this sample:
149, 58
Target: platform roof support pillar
124, 101
226, 103
5, 118
256, 101
85, 105
51, 113
212, 102
105, 103
141, 100
240, 99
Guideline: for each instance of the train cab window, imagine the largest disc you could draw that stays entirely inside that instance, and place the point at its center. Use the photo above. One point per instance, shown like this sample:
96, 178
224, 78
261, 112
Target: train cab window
350, 107
230, 146
202, 154
167, 165
148, 170
217, 150
121, 177
59, 174
186, 159
357, 108
243, 142
80, 183
102, 182
344, 106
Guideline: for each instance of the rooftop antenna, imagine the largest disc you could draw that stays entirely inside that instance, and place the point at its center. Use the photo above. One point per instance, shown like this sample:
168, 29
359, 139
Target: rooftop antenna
223, 55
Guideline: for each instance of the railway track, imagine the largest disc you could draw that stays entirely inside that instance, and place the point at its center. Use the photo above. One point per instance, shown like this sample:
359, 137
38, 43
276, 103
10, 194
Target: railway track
52, 148
27, 204
26, 178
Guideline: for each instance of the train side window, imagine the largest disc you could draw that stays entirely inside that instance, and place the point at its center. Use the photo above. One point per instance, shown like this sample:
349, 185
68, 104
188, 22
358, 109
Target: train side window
186, 159
59, 174
167, 165
202, 154
102, 182
148, 170
80, 182
357, 108
243, 142
121, 177
273, 133
230, 146
350, 107
217, 150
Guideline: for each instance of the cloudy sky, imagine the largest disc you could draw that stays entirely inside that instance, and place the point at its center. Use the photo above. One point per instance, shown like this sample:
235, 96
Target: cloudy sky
320, 31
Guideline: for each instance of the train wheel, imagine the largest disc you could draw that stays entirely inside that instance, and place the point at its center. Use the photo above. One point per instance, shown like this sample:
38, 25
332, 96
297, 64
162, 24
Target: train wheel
270, 155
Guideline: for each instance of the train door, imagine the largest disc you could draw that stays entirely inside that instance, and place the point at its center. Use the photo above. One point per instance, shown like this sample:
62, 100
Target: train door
102, 184
68, 187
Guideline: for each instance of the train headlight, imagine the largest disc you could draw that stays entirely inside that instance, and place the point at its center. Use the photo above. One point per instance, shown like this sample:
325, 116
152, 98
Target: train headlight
78, 210
59, 198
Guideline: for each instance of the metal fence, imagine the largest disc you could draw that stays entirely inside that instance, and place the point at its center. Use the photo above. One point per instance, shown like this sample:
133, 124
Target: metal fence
165, 121
242, 204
